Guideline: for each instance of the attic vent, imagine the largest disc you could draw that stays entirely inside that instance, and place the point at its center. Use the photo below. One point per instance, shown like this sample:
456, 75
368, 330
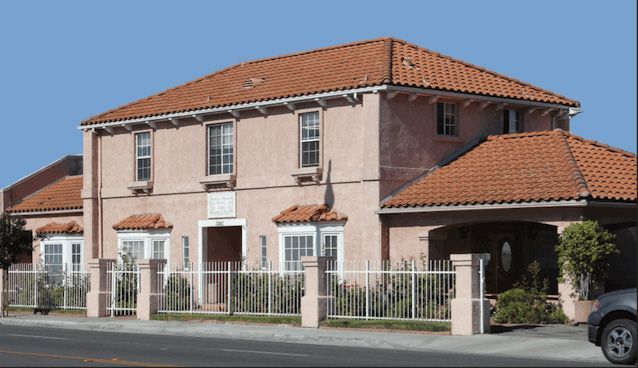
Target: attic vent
407, 61
252, 82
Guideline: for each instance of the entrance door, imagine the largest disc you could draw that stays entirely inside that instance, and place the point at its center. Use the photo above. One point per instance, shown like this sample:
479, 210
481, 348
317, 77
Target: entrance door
223, 244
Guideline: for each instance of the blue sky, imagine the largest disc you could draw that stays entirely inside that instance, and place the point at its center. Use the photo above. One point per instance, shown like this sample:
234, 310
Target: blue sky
63, 61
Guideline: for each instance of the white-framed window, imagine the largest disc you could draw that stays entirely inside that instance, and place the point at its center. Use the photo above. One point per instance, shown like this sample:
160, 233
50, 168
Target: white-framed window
309, 139
446, 118
144, 245
186, 256
296, 241
220, 149
61, 253
143, 156
263, 251
512, 121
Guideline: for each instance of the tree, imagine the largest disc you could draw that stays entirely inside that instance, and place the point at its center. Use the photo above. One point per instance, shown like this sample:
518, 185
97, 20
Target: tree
583, 255
13, 243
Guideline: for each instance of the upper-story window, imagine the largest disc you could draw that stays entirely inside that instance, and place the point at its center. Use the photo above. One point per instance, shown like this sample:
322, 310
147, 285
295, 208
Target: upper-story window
446, 118
309, 139
143, 156
511, 121
220, 149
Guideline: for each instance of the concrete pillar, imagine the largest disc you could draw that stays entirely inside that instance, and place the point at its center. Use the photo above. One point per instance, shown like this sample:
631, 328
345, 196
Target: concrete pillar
314, 301
466, 306
148, 293
98, 298
4, 298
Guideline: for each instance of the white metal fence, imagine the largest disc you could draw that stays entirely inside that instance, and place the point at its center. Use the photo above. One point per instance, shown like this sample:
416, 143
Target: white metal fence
230, 288
122, 283
406, 290
34, 286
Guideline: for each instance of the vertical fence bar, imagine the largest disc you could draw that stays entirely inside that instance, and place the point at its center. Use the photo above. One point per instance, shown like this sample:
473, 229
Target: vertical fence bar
228, 294
367, 289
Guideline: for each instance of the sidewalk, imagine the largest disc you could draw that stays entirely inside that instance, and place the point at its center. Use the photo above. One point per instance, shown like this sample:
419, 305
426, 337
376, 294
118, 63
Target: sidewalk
532, 345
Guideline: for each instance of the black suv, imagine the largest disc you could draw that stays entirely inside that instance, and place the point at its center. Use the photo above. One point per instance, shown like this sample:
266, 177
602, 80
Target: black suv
612, 325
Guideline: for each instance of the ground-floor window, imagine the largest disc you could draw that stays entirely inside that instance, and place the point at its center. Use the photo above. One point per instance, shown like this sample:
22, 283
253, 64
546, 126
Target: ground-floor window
62, 253
136, 245
296, 241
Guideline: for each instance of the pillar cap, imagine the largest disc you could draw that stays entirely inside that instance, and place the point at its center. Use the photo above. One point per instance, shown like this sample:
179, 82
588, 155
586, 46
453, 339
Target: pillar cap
469, 258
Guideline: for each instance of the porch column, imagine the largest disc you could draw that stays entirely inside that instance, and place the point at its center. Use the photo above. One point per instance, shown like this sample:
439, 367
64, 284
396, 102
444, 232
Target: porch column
148, 293
466, 306
314, 301
98, 298
566, 291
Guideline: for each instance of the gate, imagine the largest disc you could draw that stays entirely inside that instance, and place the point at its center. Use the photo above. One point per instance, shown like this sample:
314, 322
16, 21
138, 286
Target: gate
123, 282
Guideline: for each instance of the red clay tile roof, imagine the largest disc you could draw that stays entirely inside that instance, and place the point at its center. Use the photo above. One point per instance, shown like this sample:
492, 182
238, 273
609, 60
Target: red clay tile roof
308, 213
56, 228
145, 221
61, 195
526, 167
355, 65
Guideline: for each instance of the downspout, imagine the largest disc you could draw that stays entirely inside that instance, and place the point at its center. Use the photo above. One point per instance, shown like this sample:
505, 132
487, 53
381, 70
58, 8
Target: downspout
99, 198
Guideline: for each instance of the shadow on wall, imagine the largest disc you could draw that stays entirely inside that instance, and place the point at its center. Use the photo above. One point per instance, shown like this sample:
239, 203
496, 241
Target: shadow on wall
329, 195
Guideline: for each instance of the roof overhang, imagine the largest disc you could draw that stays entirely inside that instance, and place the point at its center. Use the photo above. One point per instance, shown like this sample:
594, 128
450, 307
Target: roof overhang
502, 206
40, 213
351, 95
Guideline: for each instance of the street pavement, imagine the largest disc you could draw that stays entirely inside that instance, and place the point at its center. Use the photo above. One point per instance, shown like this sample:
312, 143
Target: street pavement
210, 343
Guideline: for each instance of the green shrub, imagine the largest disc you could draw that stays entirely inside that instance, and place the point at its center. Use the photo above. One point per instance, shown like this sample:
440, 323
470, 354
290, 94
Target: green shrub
177, 292
527, 301
583, 255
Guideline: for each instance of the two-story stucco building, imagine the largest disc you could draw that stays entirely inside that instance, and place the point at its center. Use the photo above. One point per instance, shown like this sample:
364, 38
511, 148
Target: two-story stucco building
302, 154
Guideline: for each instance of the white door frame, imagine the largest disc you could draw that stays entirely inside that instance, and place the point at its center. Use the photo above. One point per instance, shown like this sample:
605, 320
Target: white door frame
201, 225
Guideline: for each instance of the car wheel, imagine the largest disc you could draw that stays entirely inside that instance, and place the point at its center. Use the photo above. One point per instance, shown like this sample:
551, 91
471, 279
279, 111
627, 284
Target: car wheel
619, 341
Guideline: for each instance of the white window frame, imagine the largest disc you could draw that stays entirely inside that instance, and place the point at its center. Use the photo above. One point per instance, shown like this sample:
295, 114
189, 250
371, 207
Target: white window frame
302, 140
446, 114
208, 147
147, 237
263, 246
138, 158
67, 249
315, 229
186, 252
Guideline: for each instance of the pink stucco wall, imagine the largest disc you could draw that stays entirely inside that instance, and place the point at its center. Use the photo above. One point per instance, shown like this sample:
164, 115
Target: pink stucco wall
266, 157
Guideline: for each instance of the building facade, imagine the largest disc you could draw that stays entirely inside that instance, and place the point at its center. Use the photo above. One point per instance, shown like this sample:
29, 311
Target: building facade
275, 159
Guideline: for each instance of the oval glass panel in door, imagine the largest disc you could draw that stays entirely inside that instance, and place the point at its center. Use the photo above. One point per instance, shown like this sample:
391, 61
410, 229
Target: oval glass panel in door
506, 256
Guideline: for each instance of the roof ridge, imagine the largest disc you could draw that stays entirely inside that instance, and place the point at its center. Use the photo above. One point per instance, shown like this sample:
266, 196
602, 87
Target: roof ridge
602, 145
577, 174
483, 69
209, 75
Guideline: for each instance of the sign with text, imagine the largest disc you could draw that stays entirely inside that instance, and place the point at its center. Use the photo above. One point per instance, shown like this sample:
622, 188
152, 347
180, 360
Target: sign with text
221, 204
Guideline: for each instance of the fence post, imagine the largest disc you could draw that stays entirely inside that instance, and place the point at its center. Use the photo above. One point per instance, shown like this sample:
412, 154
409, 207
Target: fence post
35, 285
147, 293
269, 274
4, 298
98, 295
413, 289
229, 291
314, 301
466, 305
368, 288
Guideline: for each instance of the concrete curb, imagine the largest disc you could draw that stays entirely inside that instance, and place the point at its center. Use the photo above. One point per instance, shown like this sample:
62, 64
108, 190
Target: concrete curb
492, 345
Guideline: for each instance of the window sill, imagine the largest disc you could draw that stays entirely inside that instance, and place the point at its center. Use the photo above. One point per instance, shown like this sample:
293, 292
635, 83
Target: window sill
448, 138
223, 181
138, 187
308, 174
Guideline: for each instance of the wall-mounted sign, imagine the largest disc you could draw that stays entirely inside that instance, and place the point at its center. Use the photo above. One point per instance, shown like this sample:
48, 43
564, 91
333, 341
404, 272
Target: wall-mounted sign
221, 204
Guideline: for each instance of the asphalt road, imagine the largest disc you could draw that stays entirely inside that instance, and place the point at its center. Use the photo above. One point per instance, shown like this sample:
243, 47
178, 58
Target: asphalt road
31, 346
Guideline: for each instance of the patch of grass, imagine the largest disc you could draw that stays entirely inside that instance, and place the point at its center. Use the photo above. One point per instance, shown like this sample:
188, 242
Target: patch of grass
390, 325
51, 311
288, 320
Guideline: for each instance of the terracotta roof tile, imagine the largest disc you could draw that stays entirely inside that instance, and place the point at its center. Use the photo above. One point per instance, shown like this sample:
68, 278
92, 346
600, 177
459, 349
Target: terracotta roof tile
526, 167
145, 221
309, 213
61, 195
360, 64
56, 228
